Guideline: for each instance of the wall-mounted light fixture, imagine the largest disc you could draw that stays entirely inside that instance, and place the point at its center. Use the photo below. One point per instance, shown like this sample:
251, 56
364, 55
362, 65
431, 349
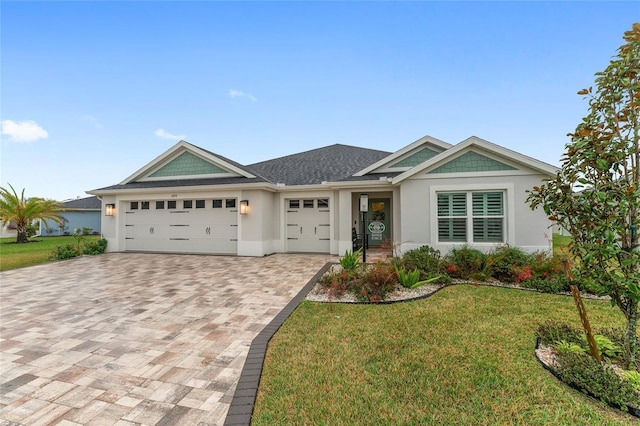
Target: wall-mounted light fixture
109, 209
244, 206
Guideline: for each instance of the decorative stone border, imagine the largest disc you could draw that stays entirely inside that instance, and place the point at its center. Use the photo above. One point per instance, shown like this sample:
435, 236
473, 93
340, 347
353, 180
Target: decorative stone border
244, 398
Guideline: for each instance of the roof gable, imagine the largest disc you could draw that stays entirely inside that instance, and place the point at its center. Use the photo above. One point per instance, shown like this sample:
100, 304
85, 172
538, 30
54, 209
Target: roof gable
476, 155
472, 161
411, 155
186, 161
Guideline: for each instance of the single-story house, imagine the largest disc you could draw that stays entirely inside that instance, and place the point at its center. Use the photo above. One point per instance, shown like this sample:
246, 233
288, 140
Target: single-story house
78, 214
191, 200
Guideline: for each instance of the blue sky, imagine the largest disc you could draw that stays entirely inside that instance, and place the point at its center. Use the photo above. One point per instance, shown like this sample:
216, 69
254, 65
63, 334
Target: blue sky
92, 91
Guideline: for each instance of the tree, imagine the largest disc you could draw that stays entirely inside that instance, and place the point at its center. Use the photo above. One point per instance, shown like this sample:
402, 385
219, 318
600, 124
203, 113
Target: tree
22, 211
596, 193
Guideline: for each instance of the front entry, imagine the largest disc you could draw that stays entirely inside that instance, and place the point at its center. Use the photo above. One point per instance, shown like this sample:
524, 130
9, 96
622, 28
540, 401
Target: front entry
379, 221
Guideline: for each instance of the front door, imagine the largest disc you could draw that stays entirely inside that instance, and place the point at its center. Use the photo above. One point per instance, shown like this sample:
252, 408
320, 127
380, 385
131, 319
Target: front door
379, 221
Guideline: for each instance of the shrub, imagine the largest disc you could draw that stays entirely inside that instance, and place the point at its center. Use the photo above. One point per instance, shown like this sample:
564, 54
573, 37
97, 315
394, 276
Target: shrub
65, 252
464, 262
425, 259
552, 332
510, 264
376, 282
634, 378
549, 285
600, 380
605, 346
95, 247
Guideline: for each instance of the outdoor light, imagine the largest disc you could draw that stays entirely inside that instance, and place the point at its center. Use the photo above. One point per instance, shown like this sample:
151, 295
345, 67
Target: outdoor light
364, 208
364, 203
244, 206
109, 209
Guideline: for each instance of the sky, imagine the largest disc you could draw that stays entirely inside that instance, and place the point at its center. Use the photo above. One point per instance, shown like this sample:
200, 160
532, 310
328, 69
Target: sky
90, 92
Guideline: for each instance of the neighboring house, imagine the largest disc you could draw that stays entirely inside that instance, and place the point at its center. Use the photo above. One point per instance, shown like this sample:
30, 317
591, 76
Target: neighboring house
189, 200
79, 213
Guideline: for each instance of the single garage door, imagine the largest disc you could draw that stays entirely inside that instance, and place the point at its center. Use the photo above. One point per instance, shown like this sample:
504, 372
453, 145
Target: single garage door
182, 226
308, 228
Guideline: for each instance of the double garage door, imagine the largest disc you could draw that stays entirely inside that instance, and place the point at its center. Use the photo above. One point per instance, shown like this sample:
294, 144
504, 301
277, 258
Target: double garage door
308, 227
183, 226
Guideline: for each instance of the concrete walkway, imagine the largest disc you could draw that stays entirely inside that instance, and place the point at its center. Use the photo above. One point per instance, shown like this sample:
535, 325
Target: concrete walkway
136, 339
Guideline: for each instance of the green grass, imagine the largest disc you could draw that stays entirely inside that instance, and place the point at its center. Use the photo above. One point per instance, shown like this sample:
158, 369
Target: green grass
36, 251
561, 244
464, 356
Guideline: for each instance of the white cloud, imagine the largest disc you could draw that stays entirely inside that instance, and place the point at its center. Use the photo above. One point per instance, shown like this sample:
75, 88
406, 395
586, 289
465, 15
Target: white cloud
23, 131
91, 119
161, 133
240, 94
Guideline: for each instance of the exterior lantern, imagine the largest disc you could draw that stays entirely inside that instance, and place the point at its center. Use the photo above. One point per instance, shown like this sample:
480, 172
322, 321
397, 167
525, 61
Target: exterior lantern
244, 206
364, 208
109, 209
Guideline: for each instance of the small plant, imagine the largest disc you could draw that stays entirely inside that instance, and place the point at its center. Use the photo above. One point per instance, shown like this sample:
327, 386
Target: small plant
95, 247
65, 252
378, 280
600, 380
510, 264
606, 346
410, 279
551, 332
564, 347
350, 260
466, 261
634, 378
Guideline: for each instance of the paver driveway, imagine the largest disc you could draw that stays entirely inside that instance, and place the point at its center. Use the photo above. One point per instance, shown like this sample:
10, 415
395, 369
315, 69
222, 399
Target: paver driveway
130, 339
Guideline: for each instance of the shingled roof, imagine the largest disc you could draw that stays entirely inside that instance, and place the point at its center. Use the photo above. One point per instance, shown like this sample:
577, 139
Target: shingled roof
87, 203
331, 163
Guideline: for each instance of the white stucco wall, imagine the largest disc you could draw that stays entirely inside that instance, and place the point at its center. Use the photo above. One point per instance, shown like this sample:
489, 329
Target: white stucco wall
524, 228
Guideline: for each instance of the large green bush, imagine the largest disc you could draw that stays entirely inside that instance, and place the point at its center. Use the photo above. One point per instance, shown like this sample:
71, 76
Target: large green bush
466, 262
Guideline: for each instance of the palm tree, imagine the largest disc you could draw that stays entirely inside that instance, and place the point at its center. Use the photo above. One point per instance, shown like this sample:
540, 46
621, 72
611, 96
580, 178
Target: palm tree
22, 211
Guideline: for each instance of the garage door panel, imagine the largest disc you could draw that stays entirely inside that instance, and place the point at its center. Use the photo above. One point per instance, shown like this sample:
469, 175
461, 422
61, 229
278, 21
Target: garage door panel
198, 230
308, 225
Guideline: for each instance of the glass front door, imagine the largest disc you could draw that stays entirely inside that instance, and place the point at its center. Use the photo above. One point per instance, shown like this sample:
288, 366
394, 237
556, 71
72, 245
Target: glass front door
379, 221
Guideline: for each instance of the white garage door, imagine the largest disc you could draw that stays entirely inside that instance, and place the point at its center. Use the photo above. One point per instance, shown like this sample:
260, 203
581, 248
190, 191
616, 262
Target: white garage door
182, 226
308, 228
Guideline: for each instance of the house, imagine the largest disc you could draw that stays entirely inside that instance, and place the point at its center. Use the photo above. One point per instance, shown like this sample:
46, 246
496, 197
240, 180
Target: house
190, 200
78, 214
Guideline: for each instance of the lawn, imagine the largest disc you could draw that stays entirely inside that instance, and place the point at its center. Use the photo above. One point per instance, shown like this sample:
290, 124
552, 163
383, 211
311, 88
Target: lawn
463, 356
36, 251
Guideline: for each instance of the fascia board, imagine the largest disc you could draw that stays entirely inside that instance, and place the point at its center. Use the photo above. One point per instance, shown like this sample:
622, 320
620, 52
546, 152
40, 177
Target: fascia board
402, 151
248, 186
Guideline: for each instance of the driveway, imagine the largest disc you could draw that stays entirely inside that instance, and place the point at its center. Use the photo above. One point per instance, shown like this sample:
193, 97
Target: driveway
136, 339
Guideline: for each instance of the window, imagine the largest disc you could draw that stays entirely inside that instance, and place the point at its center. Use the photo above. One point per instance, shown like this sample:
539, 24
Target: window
134, 205
307, 204
199, 204
230, 203
144, 205
483, 223
217, 204
488, 217
294, 204
171, 204
187, 204
452, 220
159, 205
323, 203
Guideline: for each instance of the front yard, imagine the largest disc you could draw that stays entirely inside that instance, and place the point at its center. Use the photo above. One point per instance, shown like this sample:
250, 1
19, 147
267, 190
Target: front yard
462, 356
38, 250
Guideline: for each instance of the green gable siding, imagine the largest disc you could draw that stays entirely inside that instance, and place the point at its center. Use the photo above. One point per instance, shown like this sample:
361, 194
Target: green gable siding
472, 162
416, 158
187, 164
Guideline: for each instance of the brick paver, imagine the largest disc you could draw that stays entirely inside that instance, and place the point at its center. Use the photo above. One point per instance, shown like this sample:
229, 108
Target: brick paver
136, 339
